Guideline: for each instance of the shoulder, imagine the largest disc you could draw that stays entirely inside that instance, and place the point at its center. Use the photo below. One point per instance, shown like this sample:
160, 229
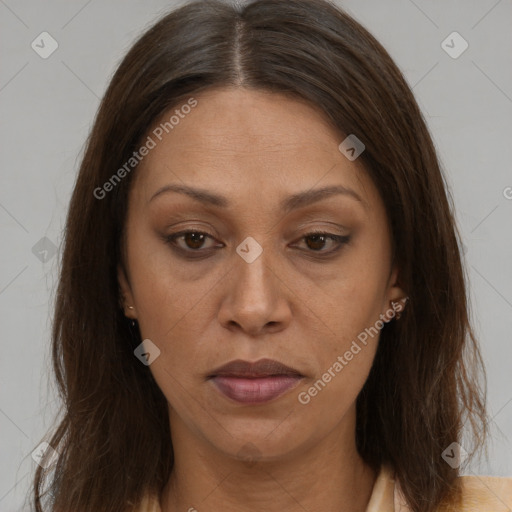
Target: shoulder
478, 494
485, 493
149, 503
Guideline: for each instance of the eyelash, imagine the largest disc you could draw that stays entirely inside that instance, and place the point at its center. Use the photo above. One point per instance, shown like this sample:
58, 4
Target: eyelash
340, 241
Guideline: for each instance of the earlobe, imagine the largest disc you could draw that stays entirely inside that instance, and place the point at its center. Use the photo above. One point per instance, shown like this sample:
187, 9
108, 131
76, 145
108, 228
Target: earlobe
125, 296
398, 306
397, 297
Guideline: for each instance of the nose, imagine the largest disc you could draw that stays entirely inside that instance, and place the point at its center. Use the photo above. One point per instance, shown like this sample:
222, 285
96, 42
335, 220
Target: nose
256, 300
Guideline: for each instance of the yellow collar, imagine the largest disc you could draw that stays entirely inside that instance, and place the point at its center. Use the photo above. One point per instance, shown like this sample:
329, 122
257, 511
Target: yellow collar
480, 494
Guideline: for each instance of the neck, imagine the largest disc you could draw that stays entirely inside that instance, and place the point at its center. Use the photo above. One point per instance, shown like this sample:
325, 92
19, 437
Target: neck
328, 475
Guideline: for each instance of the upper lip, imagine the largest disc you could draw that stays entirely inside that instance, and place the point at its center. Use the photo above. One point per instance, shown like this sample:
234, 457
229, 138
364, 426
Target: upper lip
261, 368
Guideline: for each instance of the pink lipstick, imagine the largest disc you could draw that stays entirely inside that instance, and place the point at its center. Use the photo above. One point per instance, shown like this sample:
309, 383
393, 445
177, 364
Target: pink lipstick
254, 383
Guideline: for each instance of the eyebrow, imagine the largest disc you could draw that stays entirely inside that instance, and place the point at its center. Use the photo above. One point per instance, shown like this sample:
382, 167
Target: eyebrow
293, 202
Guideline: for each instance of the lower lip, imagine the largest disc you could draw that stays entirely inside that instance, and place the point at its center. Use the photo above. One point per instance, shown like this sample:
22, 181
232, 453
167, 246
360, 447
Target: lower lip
256, 390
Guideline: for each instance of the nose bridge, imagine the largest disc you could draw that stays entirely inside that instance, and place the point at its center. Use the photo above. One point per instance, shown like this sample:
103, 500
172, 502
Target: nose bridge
253, 296
252, 273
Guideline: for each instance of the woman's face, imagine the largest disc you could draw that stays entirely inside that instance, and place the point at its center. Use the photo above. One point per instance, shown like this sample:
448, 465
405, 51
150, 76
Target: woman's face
263, 171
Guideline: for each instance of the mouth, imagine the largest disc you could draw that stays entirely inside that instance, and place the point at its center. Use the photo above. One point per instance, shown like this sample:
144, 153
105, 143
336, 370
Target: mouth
254, 383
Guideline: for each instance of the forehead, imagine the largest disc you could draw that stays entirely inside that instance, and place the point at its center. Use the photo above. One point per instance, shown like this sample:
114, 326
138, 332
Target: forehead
243, 141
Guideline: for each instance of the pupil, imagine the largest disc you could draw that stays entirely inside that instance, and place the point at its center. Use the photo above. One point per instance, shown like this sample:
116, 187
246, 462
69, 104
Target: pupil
316, 239
196, 239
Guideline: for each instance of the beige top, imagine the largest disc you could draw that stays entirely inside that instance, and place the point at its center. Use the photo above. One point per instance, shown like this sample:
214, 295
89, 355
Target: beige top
480, 494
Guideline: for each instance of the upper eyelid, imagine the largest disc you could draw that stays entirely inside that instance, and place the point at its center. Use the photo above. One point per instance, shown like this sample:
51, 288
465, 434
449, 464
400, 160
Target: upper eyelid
200, 232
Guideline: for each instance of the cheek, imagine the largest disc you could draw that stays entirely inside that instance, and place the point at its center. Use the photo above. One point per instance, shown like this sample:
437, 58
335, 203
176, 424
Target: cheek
356, 308
345, 352
349, 308
171, 313
352, 300
167, 292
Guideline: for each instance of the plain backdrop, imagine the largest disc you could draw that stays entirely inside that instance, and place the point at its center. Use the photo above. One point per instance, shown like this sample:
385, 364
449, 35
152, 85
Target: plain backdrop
47, 107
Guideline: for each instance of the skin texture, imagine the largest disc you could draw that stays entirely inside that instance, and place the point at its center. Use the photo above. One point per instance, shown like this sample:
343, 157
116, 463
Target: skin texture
257, 148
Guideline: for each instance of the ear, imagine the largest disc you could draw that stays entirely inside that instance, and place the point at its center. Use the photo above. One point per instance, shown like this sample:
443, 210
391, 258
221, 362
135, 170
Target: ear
395, 298
126, 296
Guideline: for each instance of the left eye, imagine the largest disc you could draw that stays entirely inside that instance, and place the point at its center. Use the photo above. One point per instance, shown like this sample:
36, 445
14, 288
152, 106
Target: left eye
318, 241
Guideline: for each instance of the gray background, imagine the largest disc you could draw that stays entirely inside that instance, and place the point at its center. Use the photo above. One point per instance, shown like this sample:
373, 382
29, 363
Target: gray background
47, 109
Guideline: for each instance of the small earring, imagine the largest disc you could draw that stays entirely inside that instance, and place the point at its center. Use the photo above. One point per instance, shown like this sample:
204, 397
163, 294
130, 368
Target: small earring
395, 305
132, 326
131, 307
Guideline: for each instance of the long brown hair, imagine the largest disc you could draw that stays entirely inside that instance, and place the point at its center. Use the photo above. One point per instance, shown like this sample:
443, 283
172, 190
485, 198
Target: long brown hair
113, 439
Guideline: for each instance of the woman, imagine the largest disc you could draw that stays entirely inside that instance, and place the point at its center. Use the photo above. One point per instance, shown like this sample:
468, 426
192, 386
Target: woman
262, 304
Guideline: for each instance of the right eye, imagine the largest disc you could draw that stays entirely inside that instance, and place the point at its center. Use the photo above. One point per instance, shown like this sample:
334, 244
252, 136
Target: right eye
193, 241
